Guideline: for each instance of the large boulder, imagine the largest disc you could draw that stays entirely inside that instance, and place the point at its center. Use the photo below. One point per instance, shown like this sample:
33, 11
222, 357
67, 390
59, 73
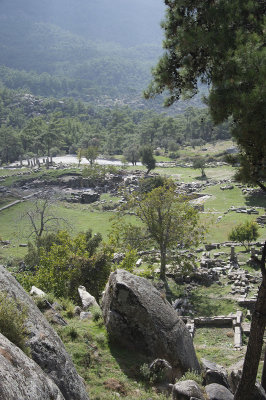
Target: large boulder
21, 377
46, 347
139, 317
214, 373
184, 390
215, 391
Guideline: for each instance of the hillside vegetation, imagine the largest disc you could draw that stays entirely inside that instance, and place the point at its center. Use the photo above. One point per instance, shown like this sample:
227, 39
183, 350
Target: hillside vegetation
96, 52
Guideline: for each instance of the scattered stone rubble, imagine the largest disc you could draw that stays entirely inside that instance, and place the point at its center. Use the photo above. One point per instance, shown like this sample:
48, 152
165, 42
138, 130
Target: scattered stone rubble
261, 220
227, 187
85, 197
244, 210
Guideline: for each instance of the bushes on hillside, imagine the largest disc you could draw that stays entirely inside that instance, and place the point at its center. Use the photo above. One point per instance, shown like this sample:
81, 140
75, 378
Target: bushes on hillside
70, 262
13, 316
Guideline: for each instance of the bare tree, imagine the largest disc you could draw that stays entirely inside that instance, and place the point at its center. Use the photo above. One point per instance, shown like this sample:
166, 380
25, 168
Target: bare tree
41, 215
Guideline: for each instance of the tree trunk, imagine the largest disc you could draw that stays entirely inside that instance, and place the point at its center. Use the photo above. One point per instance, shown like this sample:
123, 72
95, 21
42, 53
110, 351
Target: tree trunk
252, 358
261, 185
263, 377
163, 265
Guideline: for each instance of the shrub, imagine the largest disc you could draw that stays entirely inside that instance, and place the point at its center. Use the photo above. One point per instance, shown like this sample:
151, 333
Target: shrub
148, 184
192, 375
150, 376
129, 261
68, 332
145, 372
174, 154
42, 303
13, 316
68, 307
245, 233
96, 313
70, 262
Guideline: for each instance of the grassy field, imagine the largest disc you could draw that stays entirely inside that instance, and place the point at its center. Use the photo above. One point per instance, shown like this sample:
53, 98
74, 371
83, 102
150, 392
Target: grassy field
217, 345
218, 230
219, 202
209, 149
82, 217
10, 172
79, 219
189, 174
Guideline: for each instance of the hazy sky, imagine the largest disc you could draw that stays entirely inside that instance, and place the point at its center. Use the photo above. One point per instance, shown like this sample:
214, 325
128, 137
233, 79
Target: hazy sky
128, 22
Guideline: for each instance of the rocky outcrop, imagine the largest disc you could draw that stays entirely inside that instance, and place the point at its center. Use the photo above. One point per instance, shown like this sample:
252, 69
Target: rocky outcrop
139, 317
22, 378
47, 349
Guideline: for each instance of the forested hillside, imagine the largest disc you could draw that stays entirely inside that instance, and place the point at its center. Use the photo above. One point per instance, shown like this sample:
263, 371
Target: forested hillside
96, 51
72, 75
77, 49
32, 126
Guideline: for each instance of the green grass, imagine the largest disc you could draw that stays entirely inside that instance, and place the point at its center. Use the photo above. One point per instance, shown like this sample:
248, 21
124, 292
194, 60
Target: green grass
217, 345
5, 200
218, 231
189, 174
12, 171
221, 200
101, 363
163, 159
194, 175
205, 305
80, 218
109, 197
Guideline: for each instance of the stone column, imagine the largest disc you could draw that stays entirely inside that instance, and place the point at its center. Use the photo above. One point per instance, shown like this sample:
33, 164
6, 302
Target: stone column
233, 254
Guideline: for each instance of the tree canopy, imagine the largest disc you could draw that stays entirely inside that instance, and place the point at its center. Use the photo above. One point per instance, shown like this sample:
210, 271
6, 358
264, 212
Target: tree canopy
169, 223
222, 44
245, 233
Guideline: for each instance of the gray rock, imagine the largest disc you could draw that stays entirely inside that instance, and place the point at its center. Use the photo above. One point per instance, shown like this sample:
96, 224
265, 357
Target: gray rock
55, 318
87, 299
37, 292
47, 349
212, 376
138, 316
85, 315
218, 392
21, 378
77, 310
118, 257
184, 390
214, 373
258, 393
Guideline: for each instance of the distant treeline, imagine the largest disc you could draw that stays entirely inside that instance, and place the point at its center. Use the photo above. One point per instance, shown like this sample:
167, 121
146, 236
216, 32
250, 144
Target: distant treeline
31, 126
